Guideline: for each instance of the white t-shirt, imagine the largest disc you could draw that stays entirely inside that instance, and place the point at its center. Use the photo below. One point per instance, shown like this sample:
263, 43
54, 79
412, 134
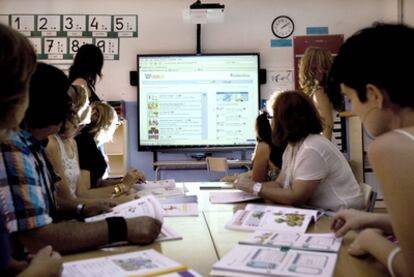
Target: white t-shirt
316, 158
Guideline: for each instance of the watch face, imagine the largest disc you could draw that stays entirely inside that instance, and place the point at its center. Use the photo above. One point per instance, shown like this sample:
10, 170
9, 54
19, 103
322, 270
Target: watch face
282, 26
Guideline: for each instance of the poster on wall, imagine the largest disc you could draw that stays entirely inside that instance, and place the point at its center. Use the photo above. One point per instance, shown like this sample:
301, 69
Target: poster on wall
280, 79
59, 36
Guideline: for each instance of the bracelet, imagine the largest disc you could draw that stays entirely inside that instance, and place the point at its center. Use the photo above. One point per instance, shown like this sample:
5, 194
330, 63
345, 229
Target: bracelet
391, 258
117, 229
118, 189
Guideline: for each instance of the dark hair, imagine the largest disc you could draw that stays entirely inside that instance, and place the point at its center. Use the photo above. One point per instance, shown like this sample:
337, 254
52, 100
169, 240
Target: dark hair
17, 63
374, 56
49, 102
294, 118
263, 128
87, 64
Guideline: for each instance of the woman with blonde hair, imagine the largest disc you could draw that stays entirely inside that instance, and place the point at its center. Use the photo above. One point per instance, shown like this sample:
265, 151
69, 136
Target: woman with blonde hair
92, 160
313, 75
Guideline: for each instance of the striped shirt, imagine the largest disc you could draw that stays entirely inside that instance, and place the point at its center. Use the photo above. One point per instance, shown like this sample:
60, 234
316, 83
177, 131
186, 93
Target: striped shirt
26, 183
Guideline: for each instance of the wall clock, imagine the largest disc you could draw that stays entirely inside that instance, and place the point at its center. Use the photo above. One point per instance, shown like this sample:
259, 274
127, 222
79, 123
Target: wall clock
283, 26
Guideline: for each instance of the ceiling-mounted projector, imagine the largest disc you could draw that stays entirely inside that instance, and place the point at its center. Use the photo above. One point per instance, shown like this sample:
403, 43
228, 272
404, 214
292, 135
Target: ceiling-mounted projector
202, 13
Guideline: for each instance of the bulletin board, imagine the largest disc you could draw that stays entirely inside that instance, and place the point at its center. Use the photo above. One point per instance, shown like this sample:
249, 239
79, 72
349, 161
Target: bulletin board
59, 36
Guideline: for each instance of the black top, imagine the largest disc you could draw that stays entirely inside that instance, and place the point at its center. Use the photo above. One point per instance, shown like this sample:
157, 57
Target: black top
90, 156
276, 153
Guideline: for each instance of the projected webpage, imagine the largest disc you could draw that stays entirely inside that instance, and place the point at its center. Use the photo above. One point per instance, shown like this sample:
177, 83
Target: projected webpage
198, 100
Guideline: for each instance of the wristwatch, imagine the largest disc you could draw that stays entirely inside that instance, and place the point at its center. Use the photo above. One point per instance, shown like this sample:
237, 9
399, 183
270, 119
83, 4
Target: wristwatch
257, 188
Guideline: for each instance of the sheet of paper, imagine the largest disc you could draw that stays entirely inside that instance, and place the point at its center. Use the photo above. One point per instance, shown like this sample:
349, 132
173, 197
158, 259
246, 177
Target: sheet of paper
225, 197
141, 263
168, 183
258, 220
248, 259
312, 242
180, 209
162, 192
144, 206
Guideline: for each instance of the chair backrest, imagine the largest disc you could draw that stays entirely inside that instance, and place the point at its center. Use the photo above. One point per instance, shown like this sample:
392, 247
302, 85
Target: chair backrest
370, 196
217, 164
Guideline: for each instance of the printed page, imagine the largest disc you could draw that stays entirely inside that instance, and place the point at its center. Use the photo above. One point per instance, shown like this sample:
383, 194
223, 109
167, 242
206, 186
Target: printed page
266, 261
180, 209
168, 183
226, 197
315, 214
144, 206
180, 199
162, 192
141, 263
259, 220
312, 242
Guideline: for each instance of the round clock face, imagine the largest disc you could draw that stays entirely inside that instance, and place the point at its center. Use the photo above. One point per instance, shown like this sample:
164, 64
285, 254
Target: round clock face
282, 26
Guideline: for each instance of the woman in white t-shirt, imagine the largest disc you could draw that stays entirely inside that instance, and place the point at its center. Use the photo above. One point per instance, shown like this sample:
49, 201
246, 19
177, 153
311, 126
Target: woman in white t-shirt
314, 172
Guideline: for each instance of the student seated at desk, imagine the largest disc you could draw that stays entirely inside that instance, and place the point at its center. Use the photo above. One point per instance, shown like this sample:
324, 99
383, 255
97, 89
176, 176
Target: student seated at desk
314, 172
17, 63
62, 152
92, 161
32, 209
370, 72
267, 157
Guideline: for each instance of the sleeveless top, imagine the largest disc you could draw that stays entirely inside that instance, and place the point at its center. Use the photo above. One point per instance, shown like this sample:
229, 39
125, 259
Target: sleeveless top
405, 133
70, 166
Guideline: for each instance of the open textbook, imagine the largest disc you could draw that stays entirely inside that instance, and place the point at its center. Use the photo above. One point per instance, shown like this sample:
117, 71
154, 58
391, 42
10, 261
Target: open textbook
248, 260
225, 197
186, 205
327, 242
315, 214
144, 206
276, 218
141, 263
167, 184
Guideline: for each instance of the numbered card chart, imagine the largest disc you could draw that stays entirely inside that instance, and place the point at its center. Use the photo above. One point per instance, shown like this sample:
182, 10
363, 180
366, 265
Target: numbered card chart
48, 25
109, 47
23, 23
4, 19
74, 25
125, 25
99, 25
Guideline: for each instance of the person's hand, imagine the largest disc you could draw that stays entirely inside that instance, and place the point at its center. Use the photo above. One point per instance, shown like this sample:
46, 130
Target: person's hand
132, 177
98, 208
349, 219
244, 183
359, 247
46, 263
143, 229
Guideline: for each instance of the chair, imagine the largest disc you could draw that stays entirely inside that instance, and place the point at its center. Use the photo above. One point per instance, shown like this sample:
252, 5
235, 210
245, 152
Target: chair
215, 164
370, 196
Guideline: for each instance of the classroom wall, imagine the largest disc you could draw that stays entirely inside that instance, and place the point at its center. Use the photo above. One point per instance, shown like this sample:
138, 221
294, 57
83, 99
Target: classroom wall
246, 28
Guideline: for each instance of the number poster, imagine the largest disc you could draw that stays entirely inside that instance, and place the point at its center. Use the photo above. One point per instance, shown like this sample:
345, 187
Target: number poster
58, 37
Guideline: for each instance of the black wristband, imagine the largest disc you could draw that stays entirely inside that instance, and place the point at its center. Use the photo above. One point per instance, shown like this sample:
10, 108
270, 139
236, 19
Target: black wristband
117, 229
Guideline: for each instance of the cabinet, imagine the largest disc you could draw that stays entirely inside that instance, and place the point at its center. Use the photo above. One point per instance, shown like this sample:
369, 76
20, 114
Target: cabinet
116, 151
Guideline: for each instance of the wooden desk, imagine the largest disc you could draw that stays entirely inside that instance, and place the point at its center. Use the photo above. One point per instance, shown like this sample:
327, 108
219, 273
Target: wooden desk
205, 240
161, 165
